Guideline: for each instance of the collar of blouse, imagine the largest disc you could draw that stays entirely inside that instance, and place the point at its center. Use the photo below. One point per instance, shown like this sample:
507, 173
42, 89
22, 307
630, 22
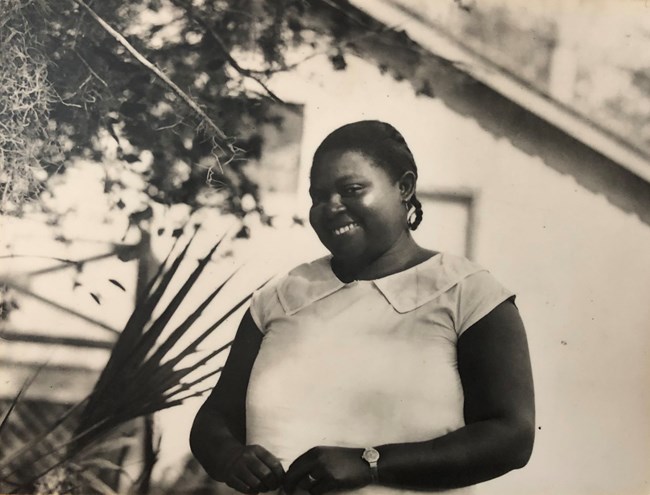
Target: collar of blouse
405, 291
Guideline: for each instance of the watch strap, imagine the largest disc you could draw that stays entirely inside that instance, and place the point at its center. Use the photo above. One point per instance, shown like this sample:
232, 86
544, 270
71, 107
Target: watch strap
371, 456
374, 472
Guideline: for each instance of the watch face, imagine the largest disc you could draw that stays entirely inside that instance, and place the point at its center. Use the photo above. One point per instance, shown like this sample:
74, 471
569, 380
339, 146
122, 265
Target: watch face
371, 455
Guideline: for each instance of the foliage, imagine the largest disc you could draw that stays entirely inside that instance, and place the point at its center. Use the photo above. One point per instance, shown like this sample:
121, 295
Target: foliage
146, 372
25, 99
96, 89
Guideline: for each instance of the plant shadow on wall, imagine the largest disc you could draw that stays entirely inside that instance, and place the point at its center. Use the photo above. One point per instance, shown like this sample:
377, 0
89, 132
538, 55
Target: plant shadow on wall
147, 371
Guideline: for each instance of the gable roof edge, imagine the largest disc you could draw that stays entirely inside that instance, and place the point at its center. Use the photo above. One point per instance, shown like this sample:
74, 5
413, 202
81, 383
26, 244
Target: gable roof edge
430, 38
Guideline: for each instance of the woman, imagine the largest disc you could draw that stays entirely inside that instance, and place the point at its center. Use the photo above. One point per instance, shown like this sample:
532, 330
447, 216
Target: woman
383, 368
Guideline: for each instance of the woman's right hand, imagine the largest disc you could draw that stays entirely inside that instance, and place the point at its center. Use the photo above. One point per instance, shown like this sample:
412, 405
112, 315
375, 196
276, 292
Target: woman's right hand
254, 469
218, 434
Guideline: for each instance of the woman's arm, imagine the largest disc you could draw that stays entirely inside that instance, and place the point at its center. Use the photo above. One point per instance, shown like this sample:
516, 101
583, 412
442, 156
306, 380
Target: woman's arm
494, 367
218, 437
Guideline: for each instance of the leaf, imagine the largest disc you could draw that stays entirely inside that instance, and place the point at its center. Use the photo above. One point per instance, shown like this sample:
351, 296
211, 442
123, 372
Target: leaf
134, 382
338, 61
127, 252
183, 387
298, 221
123, 357
138, 216
148, 340
26, 384
132, 109
38, 440
244, 233
266, 219
116, 283
194, 345
110, 445
100, 463
131, 158
97, 484
176, 335
112, 132
162, 384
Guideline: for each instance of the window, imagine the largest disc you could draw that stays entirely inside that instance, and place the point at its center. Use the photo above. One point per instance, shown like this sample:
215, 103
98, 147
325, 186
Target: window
448, 221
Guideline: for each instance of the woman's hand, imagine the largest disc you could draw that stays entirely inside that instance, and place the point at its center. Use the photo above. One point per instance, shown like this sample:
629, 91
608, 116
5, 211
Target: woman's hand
325, 469
254, 470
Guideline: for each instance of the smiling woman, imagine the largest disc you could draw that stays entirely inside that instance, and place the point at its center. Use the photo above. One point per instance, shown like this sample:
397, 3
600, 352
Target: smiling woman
362, 188
383, 368
357, 212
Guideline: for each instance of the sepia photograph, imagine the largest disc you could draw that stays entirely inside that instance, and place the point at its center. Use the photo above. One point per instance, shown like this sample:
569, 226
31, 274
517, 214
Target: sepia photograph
293, 247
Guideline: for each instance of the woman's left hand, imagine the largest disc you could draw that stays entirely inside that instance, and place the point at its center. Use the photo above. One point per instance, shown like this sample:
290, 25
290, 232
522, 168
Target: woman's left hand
326, 469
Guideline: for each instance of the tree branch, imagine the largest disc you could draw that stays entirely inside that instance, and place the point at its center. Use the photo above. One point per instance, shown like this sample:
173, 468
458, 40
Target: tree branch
90, 69
158, 73
222, 46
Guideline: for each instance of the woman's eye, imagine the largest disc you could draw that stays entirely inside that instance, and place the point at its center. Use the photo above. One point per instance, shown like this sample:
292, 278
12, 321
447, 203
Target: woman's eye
352, 189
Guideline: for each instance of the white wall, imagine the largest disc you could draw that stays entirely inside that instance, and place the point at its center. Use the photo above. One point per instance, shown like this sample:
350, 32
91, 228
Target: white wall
579, 265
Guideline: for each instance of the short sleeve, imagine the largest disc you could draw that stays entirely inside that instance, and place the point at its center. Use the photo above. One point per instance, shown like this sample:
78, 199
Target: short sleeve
478, 294
263, 302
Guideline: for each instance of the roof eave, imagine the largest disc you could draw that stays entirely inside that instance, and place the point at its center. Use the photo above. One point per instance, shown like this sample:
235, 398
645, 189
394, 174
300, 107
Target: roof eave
577, 126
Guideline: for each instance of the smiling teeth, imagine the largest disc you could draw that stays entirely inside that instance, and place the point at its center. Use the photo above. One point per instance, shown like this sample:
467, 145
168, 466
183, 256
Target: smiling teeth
345, 228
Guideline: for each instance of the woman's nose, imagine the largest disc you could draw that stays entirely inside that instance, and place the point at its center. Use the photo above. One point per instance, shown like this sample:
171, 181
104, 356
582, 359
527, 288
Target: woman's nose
335, 205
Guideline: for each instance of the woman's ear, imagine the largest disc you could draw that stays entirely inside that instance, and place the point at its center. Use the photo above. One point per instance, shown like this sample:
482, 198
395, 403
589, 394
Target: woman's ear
406, 185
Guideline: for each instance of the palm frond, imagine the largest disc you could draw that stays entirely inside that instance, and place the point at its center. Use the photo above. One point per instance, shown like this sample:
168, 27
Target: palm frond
96, 483
147, 340
184, 387
176, 335
145, 373
36, 442
195, 344
109, 445
14, 402
39, 452
121, 357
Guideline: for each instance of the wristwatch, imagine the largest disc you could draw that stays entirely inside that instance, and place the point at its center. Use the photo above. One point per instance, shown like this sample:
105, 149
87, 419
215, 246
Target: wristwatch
371, 456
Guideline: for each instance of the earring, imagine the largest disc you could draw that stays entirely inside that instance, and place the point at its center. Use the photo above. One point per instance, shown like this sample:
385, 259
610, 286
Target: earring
411, 219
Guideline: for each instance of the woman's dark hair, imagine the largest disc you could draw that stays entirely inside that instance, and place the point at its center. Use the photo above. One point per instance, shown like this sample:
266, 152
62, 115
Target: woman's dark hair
382, 143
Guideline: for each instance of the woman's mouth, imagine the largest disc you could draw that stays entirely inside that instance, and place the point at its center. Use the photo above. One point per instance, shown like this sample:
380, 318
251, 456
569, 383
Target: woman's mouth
345, 228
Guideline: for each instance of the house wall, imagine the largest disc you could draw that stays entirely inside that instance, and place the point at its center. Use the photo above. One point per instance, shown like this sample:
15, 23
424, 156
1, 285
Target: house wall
578, 263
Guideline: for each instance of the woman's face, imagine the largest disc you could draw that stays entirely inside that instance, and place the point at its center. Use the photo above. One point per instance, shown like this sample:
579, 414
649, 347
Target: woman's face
357, 210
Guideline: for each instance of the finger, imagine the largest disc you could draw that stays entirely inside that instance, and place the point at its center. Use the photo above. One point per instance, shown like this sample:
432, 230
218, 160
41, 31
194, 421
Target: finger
318, 471
305, 482
239, 485
298, 470
272, 462
249, 479
320, 486
267, 479
318, 474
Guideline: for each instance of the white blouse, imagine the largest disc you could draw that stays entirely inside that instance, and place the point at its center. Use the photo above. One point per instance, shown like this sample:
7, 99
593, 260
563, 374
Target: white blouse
364, 363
